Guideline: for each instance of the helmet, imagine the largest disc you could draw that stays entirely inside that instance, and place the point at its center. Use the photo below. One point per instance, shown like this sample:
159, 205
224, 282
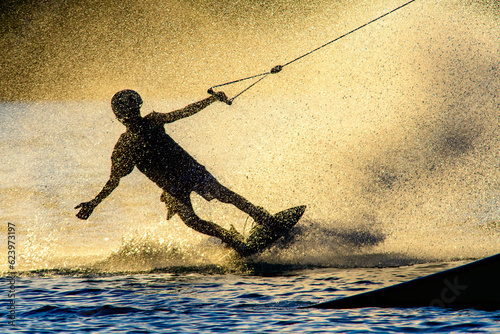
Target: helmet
126, 104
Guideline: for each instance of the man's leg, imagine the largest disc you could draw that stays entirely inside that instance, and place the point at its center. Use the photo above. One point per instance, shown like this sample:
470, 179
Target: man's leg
185, 211
258, 214
209, 188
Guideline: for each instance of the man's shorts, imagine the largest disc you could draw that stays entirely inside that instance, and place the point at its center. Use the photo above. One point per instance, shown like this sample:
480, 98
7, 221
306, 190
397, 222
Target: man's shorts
199, 180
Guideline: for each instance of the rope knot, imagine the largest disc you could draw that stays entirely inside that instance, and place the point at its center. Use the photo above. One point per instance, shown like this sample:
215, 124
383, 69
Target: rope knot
276, 69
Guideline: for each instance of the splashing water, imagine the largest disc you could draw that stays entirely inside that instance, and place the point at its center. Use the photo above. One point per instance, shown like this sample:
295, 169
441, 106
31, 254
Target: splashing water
390, 137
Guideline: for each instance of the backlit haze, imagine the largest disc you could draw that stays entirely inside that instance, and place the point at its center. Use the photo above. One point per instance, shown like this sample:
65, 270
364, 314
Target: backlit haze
391, 132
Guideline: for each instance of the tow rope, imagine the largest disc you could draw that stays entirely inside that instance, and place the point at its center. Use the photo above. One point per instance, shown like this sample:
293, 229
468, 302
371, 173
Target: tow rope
278, 68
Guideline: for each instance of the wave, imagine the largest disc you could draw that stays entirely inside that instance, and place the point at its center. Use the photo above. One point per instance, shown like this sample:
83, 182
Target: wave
309, 245
51, 311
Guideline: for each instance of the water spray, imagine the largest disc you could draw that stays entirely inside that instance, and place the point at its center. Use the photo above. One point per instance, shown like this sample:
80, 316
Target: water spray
278, 68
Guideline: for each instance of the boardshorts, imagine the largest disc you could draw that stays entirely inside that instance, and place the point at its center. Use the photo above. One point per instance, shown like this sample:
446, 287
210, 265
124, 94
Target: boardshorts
196, 179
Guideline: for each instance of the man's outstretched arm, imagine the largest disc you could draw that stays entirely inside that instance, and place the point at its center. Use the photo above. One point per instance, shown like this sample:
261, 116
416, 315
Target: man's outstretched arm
86, 208
193, 108
122, 164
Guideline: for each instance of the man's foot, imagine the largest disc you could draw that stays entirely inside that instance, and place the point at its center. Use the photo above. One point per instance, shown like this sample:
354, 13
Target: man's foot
235, 240
236, 235
263, 217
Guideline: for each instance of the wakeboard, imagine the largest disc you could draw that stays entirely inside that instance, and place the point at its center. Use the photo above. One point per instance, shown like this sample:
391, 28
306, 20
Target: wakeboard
263, 236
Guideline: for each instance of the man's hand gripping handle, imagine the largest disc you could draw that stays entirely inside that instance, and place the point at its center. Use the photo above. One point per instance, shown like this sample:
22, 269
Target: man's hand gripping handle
221, 96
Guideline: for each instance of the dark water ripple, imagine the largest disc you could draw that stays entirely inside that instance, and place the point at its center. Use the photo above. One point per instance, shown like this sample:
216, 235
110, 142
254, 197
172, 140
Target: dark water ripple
201, 303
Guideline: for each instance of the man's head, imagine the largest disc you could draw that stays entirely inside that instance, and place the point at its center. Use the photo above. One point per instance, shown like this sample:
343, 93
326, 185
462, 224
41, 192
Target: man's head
126, 104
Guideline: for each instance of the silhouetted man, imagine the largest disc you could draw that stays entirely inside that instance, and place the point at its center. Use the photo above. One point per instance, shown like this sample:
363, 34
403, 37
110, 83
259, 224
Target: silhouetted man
146, 145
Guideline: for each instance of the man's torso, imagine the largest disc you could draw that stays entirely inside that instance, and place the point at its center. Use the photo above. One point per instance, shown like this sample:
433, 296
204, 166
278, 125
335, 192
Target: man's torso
155, 153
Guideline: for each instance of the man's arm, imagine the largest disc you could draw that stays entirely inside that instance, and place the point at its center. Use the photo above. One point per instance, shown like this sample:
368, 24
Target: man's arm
192, 108
86, 208
122, 164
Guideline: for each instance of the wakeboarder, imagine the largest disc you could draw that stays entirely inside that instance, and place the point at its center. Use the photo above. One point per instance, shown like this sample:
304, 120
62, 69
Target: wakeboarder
147, 146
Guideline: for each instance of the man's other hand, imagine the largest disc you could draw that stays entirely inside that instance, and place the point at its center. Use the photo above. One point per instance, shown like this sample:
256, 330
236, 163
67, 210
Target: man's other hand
86, 209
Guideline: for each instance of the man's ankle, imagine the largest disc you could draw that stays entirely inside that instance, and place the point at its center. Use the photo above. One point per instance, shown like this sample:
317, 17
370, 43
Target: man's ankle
262, 216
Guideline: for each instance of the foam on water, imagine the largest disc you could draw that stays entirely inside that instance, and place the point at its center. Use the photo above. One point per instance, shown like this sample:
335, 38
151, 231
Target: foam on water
390, 137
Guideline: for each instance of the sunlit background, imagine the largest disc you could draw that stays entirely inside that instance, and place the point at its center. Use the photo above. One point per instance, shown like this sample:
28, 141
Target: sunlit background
389, 136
